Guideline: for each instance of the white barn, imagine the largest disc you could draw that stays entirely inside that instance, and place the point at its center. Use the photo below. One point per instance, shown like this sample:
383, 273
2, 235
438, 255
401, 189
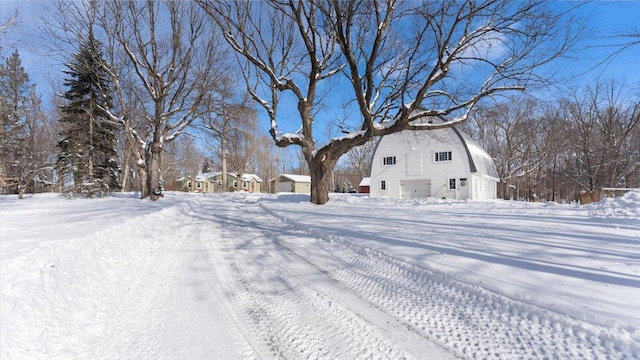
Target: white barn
442, 163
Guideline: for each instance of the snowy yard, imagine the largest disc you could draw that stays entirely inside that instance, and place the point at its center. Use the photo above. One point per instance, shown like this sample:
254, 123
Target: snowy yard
262, 277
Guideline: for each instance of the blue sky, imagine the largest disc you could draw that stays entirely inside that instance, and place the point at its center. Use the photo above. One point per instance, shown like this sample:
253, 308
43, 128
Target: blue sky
605, 19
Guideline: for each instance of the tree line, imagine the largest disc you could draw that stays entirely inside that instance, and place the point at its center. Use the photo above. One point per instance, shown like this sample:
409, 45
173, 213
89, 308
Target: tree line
151, 87
75, 148
552, 150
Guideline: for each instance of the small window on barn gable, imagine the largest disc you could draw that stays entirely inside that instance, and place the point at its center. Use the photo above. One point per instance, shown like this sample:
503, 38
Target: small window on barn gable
389, 160
452, 184
383, 185
443, 156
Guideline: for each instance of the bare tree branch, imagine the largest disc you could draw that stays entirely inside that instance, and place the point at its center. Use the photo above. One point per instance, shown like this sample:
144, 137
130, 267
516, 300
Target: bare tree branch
401, 61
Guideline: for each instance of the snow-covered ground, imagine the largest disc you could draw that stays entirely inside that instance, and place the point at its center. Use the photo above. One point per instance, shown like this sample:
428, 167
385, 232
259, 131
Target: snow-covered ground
264, 276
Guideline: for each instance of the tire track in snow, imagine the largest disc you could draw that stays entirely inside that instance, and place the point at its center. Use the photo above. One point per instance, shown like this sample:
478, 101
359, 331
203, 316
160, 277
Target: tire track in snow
193, 312
210, 266
469, 320
290, 305
288, 322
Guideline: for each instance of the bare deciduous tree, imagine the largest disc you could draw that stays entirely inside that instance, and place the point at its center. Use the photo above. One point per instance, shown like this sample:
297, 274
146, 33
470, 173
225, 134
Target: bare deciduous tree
232, 123
266, 161
163, 58
243, 146
183, 160
359, 159
7, 23
393, 62
512, 132
175, 58
554, 150
601, 122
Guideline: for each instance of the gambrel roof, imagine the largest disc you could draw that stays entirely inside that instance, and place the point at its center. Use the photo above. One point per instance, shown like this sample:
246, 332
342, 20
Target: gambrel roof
480, 161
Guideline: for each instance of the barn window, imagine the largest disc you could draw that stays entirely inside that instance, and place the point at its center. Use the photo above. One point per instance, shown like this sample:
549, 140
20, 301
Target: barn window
383, 185
389, 160
452, 184
443, 156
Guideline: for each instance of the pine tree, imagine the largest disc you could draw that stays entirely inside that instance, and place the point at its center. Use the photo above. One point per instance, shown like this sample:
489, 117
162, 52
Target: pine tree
87, 147
206, 167
14, 105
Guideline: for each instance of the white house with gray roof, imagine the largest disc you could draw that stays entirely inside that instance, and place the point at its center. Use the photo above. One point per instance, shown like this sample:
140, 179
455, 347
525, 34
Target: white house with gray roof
442, 163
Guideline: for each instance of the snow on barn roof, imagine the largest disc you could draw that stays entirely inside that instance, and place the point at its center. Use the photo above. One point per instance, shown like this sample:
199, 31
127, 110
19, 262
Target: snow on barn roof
365, 182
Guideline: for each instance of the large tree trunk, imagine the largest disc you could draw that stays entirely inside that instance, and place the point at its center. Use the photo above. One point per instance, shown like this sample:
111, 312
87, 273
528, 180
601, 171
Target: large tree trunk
143, 176
322, 164
321, 179
154, 185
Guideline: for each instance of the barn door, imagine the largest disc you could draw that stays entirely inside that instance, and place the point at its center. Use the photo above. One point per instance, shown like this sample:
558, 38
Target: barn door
415, 189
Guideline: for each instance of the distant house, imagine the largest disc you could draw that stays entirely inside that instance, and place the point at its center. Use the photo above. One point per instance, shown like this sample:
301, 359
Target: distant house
442, 163
251, 183
300, 184
184, 183
364, 186
207, 182
212, 182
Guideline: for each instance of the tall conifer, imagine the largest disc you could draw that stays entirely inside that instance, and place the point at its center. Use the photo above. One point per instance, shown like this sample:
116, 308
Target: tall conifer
14, 90
87, 147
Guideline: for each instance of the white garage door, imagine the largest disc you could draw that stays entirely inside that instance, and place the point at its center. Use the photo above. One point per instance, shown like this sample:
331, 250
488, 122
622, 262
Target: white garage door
415, 189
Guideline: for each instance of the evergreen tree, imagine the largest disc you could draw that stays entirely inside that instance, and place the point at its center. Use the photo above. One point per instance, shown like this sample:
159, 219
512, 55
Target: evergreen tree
206, 167
14, 106
87, 147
